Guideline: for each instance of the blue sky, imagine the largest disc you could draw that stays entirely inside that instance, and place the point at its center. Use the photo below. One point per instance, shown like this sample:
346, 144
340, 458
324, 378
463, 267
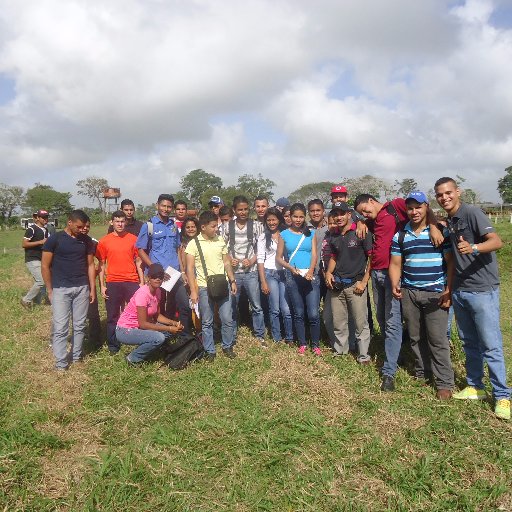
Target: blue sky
297, 91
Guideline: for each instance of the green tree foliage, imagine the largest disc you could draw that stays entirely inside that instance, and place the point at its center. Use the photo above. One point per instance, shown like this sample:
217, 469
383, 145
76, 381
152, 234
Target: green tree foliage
254, 186
368, 184
44, 196
196, 182
92, 187
310, 191
505, 186
11, 197
468, 195
227, 194
406, 186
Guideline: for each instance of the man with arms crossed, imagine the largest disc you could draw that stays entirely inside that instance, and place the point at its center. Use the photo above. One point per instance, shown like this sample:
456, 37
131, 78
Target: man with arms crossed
476, 296
68, 271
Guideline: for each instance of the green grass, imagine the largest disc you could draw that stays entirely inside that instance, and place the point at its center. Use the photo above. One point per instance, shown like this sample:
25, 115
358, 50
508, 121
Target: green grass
266, 431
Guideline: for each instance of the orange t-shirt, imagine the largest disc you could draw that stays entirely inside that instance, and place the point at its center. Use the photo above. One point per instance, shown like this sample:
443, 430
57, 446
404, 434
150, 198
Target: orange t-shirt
119, 252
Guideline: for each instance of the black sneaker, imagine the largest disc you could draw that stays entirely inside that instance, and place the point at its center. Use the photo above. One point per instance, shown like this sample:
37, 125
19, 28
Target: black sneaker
228, 352
209, 357
388, 383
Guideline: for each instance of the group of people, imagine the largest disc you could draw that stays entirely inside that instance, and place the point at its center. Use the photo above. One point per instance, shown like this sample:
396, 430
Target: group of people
176, 274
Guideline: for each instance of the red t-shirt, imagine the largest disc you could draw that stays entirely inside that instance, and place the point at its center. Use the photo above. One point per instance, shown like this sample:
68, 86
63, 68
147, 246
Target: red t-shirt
383, 229
119, 252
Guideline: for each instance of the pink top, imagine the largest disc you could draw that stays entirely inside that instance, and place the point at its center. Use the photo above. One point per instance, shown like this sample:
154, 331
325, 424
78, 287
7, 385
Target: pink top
141, 298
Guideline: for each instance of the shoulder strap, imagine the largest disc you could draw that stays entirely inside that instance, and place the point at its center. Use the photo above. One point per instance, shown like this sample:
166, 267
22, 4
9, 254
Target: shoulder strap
392, 211
401, 237
201, 255
250, 236
298, 247
231, 234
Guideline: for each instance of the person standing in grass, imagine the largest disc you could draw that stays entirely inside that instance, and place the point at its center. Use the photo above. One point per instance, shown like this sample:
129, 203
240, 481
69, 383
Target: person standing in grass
476, 296
68, 271
217, 262
141, 322
33, 241
132, 224
302, 282
272, 278
421, 278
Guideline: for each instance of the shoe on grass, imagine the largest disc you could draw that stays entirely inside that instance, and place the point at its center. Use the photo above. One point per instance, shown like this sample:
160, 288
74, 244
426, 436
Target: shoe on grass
388, 383
210, 357
444, 394
470, 393
317, 352
228, 352
502, 409
263, 343
302, 350
26, 305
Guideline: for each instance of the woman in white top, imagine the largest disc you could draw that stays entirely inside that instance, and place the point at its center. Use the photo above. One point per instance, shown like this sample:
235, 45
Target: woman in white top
272, 278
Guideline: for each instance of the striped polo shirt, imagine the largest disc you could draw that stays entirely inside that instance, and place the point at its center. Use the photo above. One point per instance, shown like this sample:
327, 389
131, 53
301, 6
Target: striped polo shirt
423, 264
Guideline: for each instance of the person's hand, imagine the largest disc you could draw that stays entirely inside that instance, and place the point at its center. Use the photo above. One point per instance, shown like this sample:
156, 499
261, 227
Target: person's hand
194, 297
445, 300
361, 229
436, 236
103, 291
234, 288
49, 293
295, 271
329, 280
175, 328
92, 296
167, 277
463, 246
234, 262
309, 275
264, 288
397, 292
359, 287
184, 277
246, 263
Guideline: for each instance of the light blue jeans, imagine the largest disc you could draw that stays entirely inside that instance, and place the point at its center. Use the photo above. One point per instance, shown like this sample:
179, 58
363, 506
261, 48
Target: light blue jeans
251, 283
206, 310
478, 320
69, 303
389, 318
147, 341
278, 304
38, 290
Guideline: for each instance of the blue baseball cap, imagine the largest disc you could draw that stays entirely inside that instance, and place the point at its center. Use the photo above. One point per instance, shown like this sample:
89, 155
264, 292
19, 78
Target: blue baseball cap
417, 196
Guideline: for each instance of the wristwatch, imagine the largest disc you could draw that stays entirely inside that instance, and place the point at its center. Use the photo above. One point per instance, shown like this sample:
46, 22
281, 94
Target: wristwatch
475, 250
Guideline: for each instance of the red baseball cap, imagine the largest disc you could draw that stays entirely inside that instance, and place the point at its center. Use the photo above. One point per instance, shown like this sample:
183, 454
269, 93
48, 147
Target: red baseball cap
42, 213
338, 189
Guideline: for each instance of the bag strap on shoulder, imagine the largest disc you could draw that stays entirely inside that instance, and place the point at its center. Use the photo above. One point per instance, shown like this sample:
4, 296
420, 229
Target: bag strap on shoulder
201, 255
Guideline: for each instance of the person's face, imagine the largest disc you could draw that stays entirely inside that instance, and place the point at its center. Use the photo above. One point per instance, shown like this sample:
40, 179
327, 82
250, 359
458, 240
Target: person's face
119, 223
128, 210
242, 211
215, 208
316, 213
42, 220
190, 228
180, 211
416, 212
367, 210
164, 208
331, 224
298, 217
76, 227
287, 218
210, 230
225, 218
448, 196
260, 207
156, 282
338, 197
86, 228
342, 219
272, 222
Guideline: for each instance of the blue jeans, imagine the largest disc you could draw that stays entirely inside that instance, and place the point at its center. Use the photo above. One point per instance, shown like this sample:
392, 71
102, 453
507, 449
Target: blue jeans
478, 320
250, 281
147, 341
305, 296
38, 290
69, 303
278, 305
389, 318
206, 310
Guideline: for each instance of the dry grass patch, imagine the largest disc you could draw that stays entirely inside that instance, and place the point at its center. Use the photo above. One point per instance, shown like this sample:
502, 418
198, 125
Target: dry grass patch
388, 425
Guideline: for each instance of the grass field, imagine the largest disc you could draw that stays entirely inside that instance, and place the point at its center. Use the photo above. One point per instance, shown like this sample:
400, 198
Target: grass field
266, 431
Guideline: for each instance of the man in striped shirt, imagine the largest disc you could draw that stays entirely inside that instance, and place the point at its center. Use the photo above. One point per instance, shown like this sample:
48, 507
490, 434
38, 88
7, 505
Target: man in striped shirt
426, 274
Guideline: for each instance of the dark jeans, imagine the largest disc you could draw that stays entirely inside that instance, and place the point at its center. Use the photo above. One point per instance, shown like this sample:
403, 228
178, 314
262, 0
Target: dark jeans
177, 300
118, 295
94, 331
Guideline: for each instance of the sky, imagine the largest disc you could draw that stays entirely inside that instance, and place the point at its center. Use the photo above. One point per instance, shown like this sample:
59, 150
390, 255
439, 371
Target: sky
141, 92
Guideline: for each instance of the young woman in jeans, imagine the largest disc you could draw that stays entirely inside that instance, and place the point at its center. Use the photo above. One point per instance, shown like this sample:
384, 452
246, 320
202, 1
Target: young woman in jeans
303, 285
272, 278
141, 322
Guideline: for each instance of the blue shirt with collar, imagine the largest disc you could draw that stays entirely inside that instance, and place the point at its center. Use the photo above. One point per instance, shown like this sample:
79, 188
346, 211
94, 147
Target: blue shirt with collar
164, 243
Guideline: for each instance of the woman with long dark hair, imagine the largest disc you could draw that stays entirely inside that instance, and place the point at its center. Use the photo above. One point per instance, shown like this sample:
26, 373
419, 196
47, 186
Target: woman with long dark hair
303, 285
272, 278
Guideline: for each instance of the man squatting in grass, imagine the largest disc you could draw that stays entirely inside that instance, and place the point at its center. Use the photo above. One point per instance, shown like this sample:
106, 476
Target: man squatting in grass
162, 247
419, 279
120, 274
384, 220
476, 296
68, 272
33, 241
347, 276
217, 262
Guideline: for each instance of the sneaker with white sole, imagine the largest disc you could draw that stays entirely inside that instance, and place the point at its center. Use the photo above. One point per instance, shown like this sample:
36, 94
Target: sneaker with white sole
502, 409
302, 350
470, 393
317, 352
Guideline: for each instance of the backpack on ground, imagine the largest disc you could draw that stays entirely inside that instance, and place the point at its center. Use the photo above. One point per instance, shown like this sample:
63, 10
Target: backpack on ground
182, 351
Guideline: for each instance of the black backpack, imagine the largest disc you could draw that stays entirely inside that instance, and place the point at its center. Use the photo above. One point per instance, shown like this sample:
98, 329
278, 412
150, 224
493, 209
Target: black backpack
185, 349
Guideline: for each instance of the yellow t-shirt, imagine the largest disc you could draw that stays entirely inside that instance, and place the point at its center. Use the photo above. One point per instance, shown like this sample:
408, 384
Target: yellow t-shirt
213, 252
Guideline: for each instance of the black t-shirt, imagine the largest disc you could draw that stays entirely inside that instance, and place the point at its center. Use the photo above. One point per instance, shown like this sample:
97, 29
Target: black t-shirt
132, 227
69, 264
350, 253
35, 233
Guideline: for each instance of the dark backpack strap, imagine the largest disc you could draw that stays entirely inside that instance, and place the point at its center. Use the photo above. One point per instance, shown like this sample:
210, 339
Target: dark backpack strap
401, 237
201, 255
250, 236
392, 211
231, 234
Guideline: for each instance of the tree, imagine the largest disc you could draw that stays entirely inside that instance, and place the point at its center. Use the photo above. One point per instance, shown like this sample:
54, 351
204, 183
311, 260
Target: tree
45, 197
93, 187
11, 197
254, 186
368, 184
310, 191
406, 186
505, 186
196, 182
467, 195
227, 194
